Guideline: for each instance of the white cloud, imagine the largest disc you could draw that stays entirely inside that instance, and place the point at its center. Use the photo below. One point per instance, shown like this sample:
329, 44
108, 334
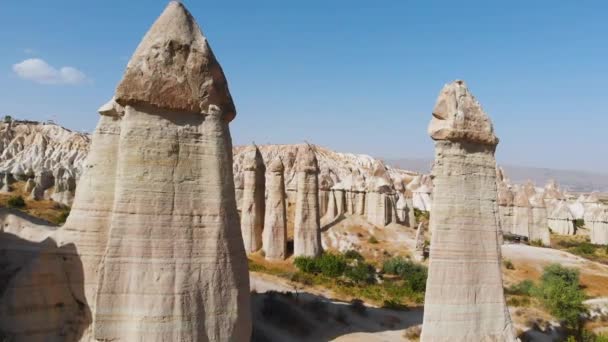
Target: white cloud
39, 71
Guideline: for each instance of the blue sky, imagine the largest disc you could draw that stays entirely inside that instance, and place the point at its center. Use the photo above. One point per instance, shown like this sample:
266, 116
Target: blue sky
355, 76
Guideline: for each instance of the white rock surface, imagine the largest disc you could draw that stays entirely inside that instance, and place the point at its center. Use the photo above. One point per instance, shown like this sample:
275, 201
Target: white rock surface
275, 219
561, 220
597, 221
252, 207
307, 225
464, 293
28, 149
174, 268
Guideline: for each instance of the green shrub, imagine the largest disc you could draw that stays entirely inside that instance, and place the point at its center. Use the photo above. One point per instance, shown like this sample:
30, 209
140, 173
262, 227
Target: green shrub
63, 216
523, 288
537, 243
508, 264
331, 265
8, 119
353, 255
361, 273
306, 264
421, 215
584, 248
560, 293
579, 223
372, 239
414, 274
16, 202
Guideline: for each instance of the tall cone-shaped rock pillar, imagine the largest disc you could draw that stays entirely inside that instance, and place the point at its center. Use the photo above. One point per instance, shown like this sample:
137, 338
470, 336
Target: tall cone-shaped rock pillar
307, 224
175, 267
252, 205
464, 293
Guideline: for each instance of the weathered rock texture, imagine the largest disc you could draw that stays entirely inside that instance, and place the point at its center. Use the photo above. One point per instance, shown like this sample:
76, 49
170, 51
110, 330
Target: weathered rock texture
521, 213
338, 173
464, 293
275, 220
419, 248
378, 198
539, 225
421, 187
252, 207
505, 207
28, 149
307, 226
597, 221
174, 268
561, 220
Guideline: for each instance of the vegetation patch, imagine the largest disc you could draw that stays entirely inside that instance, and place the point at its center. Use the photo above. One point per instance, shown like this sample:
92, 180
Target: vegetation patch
422, 215
581, 246
16, 202
400, 283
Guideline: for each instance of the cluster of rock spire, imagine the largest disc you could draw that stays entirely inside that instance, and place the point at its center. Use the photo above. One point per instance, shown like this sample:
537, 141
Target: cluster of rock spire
155, 250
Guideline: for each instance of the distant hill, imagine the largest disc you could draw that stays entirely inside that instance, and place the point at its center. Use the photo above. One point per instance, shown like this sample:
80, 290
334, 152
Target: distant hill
571, 180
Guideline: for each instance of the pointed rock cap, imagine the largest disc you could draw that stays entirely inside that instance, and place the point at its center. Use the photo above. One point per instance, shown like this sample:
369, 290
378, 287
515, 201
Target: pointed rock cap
458, 116
276, 165
592, 198
174, 68
306, 160
595, 214
380, 181
521, 198
253, 159
505, 195
537, 201
562, 212
530, 189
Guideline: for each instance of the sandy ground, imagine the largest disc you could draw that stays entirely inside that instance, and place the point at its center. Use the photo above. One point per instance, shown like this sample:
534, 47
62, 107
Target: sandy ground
529, 263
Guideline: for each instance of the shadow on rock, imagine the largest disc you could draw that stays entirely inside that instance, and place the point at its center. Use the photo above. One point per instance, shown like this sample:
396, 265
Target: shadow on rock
39, 300
287, 316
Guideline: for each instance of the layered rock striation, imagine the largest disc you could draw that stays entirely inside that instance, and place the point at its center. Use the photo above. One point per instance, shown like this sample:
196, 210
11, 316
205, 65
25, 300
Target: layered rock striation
174, 267
275, 219
252, 207
307, 225
464, 293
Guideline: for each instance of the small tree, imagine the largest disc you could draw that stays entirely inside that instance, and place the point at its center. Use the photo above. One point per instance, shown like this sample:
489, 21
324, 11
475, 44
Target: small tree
560, 293
8, 119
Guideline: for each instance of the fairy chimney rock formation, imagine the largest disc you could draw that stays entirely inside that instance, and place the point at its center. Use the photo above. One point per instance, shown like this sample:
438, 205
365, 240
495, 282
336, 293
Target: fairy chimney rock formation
521, 212
175, 267
252, 205
561, 220
464, 297
378, 206
307, 225
597, 221
539, 225
275, 221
